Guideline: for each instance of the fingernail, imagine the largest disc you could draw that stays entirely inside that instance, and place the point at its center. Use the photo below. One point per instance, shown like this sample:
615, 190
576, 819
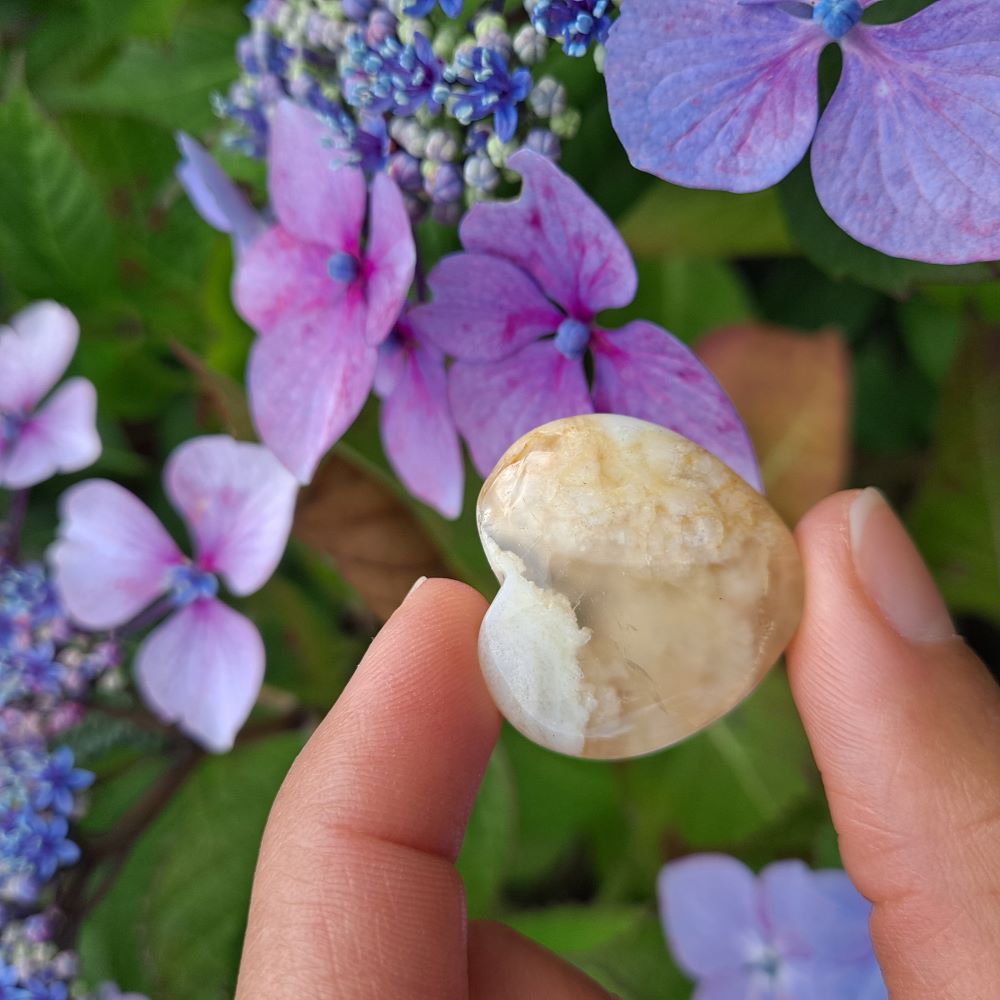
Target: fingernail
893, 574
417, 583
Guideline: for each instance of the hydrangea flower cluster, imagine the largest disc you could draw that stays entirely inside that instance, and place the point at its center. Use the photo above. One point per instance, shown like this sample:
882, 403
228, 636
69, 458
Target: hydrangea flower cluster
49, 667
789, 932
438, 103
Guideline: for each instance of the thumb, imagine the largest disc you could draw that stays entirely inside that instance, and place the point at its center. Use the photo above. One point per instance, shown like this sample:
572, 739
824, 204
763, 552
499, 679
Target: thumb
904, 722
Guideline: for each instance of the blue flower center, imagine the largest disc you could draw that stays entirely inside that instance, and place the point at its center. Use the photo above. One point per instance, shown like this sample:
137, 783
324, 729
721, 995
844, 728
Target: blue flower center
10, 427
572, 338
343, 266
837, 17
189, 583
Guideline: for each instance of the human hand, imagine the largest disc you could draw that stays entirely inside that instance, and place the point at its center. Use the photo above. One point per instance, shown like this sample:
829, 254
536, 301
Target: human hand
356, 894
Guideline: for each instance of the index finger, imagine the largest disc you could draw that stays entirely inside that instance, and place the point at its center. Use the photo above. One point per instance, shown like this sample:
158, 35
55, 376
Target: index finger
356, 893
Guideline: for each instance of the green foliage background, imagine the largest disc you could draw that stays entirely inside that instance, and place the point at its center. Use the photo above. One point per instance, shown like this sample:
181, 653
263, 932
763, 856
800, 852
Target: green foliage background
566, 851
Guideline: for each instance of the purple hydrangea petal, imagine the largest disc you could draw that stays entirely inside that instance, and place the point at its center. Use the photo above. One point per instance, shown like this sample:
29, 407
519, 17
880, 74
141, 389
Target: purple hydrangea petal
820, 915
559, 236
35, 350
308, 381
713, 94
484, 308
736, 986
215, 196
495, 403
313, 197
907, 154
60, 437
280, 274
642, 371
418, 432
202, 668
391, 257
709, 911
112, 557
804, 977
238, 501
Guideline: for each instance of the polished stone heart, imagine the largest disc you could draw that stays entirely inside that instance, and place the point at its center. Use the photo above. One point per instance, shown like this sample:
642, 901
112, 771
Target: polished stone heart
645, 587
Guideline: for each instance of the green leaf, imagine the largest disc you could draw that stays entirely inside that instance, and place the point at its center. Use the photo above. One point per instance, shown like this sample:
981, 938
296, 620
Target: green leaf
564, 806
489, 839
571, 930
688, 297
955, 518
894, 400
55, 235
682, 222
169, 83
840, 256
932, 333
622, 947
309, 652
172, 925
739, 775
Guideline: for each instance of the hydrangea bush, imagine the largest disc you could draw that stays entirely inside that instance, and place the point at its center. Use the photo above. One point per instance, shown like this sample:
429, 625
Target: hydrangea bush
318, 263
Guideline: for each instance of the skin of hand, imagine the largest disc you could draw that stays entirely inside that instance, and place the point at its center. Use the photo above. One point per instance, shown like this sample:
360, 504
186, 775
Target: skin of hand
356, 894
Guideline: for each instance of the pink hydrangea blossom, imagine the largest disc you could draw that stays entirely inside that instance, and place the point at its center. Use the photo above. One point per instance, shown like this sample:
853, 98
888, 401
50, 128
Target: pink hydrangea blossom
418, 432
323, 287
203, 666
40, 437
549, 263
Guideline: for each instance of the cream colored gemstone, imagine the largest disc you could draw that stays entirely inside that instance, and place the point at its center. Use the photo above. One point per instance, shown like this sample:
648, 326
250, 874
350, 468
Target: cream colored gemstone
645, 587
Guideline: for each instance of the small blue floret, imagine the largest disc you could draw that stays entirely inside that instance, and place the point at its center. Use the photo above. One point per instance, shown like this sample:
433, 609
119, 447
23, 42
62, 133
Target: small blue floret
837, 17
572, 338
189, 584
343, 266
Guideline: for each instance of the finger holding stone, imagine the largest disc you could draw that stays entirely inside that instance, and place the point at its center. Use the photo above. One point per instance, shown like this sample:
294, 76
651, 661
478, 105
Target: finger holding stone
905, 726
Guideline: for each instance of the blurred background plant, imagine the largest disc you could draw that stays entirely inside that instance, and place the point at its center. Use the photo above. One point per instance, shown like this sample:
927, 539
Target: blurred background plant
847, 366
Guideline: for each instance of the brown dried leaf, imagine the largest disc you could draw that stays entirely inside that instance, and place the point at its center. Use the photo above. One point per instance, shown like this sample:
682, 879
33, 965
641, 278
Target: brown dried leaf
376, 542
793, 391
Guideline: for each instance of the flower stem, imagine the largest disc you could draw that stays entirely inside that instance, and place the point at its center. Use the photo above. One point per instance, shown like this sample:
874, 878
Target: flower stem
150, 616
15, 524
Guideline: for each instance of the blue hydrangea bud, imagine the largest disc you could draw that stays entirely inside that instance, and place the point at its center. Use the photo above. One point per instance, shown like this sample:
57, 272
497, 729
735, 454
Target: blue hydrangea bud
529, 46
545, 142
441, 146
548, 98
409, 134
442, 182
405, 171
480, 174
491, 33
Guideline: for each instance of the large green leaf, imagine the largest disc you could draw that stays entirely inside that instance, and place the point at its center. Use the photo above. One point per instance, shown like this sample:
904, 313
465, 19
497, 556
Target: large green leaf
173, 924
170, 83
622, 947
840, 256
741, 774
956, 516
489, 840
564, 807
678, 222
55, 234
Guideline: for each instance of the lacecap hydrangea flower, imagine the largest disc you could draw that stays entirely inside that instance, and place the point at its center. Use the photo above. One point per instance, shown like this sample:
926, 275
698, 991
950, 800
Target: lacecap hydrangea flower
203, 666
906, 156
294, 294
40, 437
322, 288
788, 934
518, 310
